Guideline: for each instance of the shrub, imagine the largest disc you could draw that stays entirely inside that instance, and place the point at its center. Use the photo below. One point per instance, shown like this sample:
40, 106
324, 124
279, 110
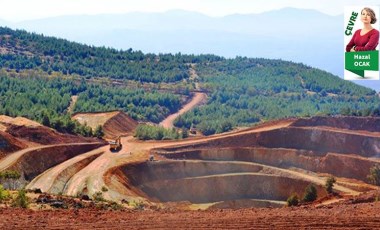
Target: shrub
149, 132
9, 178
98, 196
99, 133
115, 206
104, 189
330, 184
21, 200
310, 193
374, 174
136, 204
4, 194
293, 200
185, 133
1, 193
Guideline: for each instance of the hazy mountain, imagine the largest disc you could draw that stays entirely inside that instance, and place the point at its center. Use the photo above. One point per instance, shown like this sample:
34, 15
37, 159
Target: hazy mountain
299, 35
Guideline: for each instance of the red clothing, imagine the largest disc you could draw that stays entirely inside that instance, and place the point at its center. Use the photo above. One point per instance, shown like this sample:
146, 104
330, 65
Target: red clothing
366, 42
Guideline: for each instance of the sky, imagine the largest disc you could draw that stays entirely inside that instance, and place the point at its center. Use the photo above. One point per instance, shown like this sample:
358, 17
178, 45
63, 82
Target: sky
19, 10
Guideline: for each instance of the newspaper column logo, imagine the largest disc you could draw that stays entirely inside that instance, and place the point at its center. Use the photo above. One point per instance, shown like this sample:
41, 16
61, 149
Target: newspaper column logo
361, 41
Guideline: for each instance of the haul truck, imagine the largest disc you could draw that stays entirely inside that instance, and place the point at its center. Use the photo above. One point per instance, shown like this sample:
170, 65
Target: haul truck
115, 145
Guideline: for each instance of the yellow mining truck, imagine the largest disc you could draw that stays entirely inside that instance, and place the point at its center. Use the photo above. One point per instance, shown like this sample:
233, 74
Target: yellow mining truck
115, 145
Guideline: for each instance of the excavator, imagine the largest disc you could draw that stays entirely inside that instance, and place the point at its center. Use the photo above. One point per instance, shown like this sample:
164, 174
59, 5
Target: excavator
115, 145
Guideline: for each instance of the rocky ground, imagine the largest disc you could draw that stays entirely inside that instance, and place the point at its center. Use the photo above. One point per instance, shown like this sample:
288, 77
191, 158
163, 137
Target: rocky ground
343, 216
362, 212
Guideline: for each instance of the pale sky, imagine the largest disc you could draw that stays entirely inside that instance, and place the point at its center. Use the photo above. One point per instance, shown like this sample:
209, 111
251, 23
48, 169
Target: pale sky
18, 10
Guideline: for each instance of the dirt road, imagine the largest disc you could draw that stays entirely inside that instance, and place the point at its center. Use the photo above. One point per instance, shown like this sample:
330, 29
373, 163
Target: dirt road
12, 158
197, 99
97, 173
92, 177
74, 100
47, 181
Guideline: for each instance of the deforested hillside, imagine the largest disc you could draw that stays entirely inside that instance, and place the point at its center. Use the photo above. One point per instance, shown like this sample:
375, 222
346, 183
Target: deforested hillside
114, 123
40, 75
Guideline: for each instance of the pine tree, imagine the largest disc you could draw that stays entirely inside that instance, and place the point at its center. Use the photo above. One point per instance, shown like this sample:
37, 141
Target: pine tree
330, 184
310, 193
99, 132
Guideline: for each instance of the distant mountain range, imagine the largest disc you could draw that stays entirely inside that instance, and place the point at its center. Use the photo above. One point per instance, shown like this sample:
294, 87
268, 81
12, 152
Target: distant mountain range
298, 35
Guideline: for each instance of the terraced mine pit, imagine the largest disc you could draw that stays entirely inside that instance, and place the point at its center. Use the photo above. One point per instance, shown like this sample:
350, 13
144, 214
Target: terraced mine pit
213, 182
255, 167
261, 167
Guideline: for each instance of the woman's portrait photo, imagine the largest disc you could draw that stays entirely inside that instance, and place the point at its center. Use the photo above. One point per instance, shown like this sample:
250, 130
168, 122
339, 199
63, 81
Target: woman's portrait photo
367, 38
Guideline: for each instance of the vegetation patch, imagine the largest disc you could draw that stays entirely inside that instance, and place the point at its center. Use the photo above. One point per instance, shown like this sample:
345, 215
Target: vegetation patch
330, 181
293, 200
310, 194
374, 174
241, 91
149, 132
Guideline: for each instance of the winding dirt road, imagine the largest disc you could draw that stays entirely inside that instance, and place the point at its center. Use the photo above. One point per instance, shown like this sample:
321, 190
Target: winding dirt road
93, 171
197, 99
55, 179
92, 177
14, 157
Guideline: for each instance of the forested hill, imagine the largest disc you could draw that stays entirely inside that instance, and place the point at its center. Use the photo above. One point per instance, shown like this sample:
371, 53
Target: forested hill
241, 91
22, 50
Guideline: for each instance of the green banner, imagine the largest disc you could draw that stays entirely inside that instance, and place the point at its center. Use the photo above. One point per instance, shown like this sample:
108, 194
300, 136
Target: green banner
358, 62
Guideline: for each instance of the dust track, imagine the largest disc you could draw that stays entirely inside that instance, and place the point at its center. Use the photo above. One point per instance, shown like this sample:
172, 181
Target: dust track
12, 158
197, 99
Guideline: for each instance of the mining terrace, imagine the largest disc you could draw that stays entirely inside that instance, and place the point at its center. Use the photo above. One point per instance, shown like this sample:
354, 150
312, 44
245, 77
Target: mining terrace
259, 166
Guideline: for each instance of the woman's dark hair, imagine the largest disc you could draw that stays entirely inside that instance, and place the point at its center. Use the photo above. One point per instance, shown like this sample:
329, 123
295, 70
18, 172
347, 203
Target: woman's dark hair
371, 14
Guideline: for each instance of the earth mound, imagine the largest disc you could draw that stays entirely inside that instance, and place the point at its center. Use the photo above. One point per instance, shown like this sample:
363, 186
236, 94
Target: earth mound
371, 124
18, 121
24, 144
30, 131
8, 144
115, 123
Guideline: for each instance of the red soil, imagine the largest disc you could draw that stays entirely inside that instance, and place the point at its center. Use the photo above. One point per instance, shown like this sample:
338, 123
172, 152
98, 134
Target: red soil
303, 149
44, 135
8, 144
114, 123
338, 216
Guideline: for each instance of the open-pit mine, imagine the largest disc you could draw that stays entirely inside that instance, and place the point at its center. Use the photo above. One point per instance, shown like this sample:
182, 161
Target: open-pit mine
259, 166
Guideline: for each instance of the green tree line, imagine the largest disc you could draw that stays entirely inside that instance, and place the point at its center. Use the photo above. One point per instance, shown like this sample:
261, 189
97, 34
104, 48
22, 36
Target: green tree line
243, 91
52, 54
46, 100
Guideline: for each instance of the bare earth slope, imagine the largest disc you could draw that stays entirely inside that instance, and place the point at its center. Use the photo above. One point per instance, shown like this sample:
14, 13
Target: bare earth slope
9, 144
19, 133
114, 123
31, 149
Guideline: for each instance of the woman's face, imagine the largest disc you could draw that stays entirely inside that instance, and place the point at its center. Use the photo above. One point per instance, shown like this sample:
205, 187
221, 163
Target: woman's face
365, 17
